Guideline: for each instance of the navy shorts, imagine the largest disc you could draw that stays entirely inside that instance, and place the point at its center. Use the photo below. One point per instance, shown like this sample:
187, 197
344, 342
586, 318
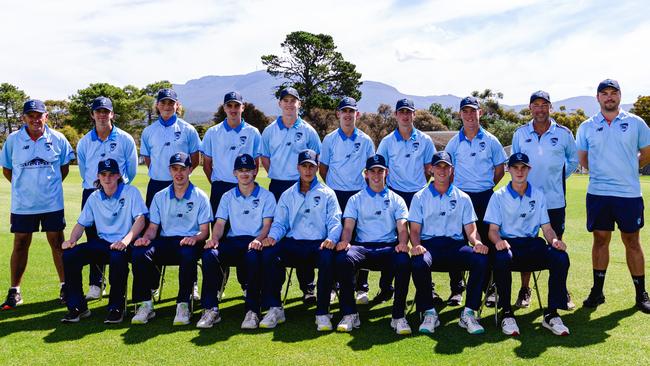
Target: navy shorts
557, 217
48, 221
603, 211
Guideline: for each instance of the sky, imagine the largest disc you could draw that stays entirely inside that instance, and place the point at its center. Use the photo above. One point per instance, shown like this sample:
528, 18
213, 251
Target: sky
51, 49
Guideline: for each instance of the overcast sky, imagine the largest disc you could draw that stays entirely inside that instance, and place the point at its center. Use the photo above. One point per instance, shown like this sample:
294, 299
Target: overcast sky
50, 49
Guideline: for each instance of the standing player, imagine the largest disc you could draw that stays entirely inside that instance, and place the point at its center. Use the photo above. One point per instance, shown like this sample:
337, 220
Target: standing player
613, 145
35, 160
103, 142
553, 155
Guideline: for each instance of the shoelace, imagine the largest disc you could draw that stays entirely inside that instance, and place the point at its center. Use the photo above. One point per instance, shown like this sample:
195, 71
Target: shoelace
471, 319
509, 322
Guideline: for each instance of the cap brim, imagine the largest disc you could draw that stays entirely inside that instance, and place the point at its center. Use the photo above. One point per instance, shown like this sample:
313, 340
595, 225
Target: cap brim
179, 163
471, 106
535, 98
170, 98
233, 100
310, 161
377, 166
520, 162
443, 161
347, 107
409, 108
34, 110
98, 108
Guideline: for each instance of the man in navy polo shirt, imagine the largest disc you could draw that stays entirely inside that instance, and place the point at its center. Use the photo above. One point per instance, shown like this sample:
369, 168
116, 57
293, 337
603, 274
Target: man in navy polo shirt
440, 213
381, 243
182, 212
306, 227
613, 145
105, 141
553, 155
35, 160
249, 208
515, 213
117, 211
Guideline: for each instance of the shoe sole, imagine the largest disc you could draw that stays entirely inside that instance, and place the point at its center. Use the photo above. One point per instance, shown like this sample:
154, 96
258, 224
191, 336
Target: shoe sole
139, 322
599, 302
179, 323
264, 326
247, 327
548, 326
324, 329
362, 302
403, 332
207, 326
114, 321
513, 334
83, 315
463, 325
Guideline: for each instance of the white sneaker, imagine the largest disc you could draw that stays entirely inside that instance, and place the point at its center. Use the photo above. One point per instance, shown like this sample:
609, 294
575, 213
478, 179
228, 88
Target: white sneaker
251, 320
323, 322
348, 323
209, 318
430, 321
94, 293
144, 313
196, 295
401, 326
468, 321
182, 314
556, 326
273, 317
362, 298
332, 296
509, 326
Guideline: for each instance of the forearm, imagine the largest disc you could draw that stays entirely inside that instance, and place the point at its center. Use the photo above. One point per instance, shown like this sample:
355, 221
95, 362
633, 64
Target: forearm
136, 229
77, 232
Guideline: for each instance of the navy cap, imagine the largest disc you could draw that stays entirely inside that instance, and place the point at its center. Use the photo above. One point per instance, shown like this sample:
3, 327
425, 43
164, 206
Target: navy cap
180, 158
233, 96
405, 104
441, 157
166, 94
308, 156
34, 105
518, 158
108, 165
347, 102
102, 103
245, 161
470, 102
376, 161
540, 94
289, 91
608, 83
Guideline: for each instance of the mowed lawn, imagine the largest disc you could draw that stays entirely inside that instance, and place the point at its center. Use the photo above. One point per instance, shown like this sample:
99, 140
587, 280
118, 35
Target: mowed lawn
32, 334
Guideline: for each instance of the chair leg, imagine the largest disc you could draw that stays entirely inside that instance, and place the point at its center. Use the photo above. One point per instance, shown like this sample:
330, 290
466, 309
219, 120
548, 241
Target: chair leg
539, 298
286, 288
162, 281
226, 275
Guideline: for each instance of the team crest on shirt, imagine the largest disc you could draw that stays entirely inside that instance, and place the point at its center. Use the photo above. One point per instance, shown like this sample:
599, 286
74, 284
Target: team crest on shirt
256, 203
177, 135
481, 146
48, 146
120, 204
190, 206
297, 137
316, 201
112, 146
452, 204
554, 141
624, 126
531, 205
357, 146
416, 146
386, 204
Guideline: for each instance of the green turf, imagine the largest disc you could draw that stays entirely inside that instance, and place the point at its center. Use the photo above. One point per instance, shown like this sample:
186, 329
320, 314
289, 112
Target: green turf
613, 334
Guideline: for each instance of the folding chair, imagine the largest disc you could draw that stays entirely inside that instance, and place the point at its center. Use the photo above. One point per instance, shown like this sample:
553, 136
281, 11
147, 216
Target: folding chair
161, 271
104, 282
496, 305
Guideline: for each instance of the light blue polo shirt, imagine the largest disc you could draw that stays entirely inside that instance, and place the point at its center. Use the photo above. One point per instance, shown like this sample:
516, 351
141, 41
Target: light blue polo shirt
282, 145
36, 181
312, 216
162, 139
442, 214
246, 214
119, 146
223, 144
376, 214
548, 154
517, 216
113, 216
612, 152
406, 159
180, 217
474, 160
346, 158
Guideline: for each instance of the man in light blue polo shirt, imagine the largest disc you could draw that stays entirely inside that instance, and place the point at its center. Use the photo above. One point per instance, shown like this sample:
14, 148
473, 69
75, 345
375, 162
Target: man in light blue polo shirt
553, 155
249, 208
305, 230
105, 141
35, 160
515, 213
182, 212
165, 137
613, 145
117, 211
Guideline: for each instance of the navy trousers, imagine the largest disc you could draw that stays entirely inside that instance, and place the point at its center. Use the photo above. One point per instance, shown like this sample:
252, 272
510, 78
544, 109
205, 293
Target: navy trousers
96, 272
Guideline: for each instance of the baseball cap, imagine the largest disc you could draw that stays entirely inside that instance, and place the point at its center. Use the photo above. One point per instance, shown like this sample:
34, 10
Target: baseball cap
540, 94
289, 91
233, 96
608, 83
166, 94
405, 104
376, 161
244, 161
470, 102
518, 158
441, 157
34, 105
308, 156
108, 165
180, 158
347, 102
102, 103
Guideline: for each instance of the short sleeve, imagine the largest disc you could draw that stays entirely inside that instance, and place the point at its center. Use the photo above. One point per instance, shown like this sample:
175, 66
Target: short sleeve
5, 155
86, 218
581, 137
493, 212
144, 143
223, 211
469, 216
325, 152
269, 206
401, 210
415, 211
352, 208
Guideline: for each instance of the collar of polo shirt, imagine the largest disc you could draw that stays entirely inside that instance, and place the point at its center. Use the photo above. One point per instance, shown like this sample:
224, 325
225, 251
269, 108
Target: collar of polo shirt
515, 194
186, 196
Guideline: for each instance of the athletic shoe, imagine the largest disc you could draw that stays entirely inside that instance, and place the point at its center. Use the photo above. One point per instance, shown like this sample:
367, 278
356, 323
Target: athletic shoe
251, 320
362, 298
273, 317
309, 297
74, 315
182, 314
509, 326
468, 321
144, 313
323, 322
332, 296
114, 316
348, 323
594, 299
570, 305
209, 318
437, 300
95, 292
492, 298
62, 297
523, 299
430, 322
13, 299
401, 326
385, 294
196, 295
643, 303
455, 299
553, 322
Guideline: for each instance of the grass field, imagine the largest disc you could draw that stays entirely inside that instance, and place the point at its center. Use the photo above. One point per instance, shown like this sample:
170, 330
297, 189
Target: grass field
613, 334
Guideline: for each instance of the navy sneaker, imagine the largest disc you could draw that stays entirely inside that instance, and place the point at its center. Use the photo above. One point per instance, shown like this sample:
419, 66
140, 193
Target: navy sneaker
13, 299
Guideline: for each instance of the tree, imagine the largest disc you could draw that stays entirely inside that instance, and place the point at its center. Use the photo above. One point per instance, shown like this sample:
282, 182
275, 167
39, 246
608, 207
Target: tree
445, 115
425, 121
323, 121
377, 125
58, 113
251, 115
642, 108
313, 66
147, 101
11, 106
